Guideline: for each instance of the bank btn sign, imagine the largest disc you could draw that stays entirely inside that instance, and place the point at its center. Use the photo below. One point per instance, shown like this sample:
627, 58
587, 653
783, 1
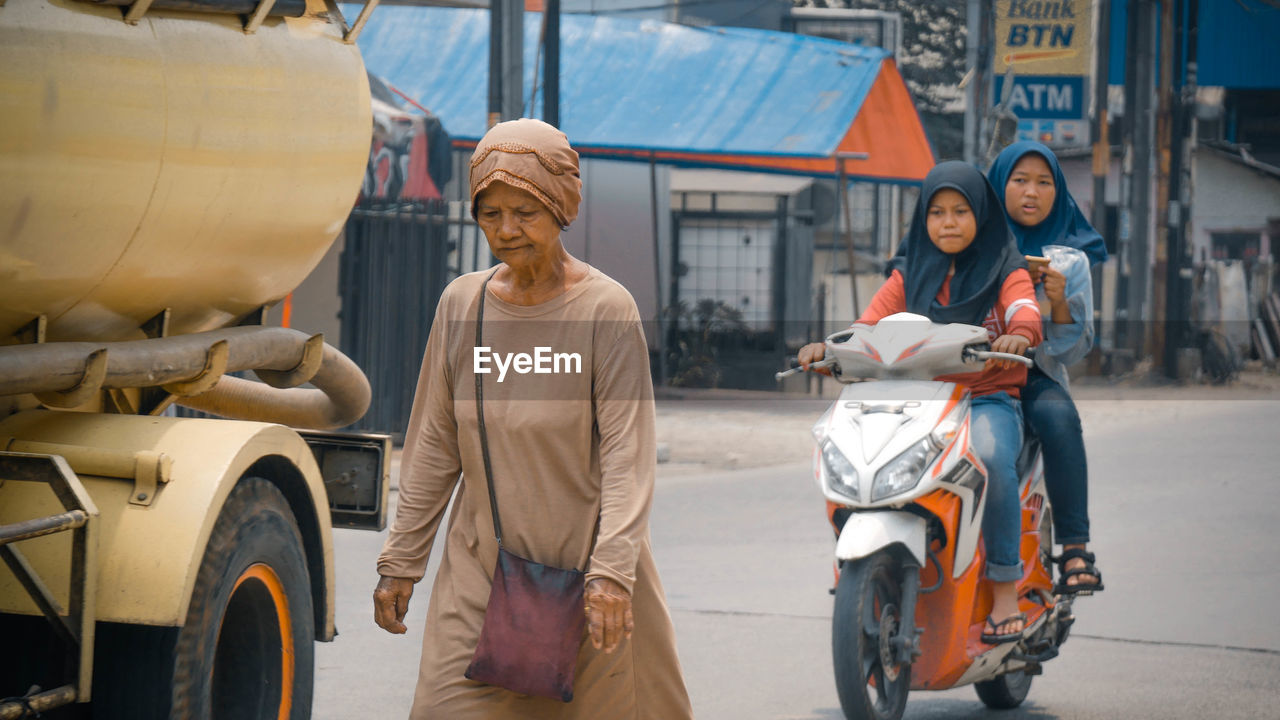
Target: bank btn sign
1049, 44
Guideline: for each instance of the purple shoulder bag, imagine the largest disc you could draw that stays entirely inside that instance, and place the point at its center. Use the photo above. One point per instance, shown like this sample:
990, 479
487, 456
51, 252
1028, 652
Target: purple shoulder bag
535, 617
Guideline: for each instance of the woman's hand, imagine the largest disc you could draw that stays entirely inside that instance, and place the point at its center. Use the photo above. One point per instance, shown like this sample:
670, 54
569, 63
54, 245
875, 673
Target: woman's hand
1055, 284
812, 353
608, 613
1055, 288
391, 602
1014, 344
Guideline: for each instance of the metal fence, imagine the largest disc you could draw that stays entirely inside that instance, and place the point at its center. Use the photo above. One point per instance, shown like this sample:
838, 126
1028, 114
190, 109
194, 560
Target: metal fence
395, 263
728, 286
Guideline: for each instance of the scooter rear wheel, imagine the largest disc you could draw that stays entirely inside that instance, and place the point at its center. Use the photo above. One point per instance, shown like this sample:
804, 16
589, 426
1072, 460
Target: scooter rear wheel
1004, 692
871, 685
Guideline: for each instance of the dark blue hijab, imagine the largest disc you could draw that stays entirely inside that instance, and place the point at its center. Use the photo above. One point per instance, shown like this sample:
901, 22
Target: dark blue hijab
981, 268
1065, 224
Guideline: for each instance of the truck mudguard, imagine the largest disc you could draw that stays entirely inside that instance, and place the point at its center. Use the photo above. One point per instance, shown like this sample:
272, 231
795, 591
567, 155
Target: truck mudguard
151, 548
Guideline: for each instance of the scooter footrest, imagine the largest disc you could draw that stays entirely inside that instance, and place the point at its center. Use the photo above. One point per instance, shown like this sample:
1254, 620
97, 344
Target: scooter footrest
1064, 628
1041, 646
1042, 656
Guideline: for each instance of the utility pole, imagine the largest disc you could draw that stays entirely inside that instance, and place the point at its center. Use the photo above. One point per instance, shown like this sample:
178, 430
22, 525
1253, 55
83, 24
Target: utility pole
1158, 334
1178, 269
495, 63
1135, 225
506, 60
1100, 121
1124, 206
551, 64
842, 186
984, 81
1099, 132
973, 33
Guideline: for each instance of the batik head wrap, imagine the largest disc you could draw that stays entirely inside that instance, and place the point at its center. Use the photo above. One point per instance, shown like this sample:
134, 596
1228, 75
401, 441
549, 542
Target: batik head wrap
533, 156
1064, 225
980, 269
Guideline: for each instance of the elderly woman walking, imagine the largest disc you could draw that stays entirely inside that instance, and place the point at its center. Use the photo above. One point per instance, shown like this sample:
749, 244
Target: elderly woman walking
569, 420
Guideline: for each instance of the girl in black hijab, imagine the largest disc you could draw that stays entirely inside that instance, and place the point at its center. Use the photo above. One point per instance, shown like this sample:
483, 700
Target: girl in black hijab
980, 269
959, 264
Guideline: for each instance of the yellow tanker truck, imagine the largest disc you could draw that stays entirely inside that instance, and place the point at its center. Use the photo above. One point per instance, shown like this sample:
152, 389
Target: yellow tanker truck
168, 170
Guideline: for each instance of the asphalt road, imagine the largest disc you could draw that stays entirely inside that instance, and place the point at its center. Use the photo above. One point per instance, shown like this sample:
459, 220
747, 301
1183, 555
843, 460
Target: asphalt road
1184, 492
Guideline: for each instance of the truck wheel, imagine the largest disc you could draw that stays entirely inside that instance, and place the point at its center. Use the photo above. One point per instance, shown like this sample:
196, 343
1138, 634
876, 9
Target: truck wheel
870, 683
247, 650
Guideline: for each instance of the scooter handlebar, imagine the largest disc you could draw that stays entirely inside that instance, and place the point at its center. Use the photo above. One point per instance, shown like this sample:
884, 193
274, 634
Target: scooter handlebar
797, 370
992, 355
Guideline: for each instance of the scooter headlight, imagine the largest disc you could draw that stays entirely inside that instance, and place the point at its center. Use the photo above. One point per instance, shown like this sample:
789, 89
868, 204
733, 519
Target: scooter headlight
903, 472
840, 472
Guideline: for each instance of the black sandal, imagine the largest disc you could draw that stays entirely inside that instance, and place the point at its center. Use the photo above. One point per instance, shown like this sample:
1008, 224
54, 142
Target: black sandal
1080, 588
1000, 639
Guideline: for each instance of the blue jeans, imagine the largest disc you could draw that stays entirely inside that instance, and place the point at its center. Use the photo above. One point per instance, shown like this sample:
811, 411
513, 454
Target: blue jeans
997, 439
1052, 416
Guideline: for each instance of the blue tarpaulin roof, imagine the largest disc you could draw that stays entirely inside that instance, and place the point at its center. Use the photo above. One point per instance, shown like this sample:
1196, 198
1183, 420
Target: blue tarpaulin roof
654, 87
1238, 43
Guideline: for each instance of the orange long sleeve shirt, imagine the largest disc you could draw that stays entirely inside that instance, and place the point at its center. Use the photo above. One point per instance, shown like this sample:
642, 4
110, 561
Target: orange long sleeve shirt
1015, 312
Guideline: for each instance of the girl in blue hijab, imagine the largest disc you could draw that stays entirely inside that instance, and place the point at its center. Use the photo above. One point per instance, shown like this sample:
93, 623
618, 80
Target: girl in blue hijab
1047, 222
1056, 219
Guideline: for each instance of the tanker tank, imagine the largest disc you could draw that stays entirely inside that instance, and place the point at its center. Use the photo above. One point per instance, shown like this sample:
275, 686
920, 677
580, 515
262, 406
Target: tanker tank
168, 179
168, 170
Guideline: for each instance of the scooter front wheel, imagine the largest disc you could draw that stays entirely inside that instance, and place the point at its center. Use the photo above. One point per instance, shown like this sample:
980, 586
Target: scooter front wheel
871, 684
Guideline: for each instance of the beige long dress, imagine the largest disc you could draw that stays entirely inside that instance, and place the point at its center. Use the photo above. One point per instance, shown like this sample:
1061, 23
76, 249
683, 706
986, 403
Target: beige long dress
573, 453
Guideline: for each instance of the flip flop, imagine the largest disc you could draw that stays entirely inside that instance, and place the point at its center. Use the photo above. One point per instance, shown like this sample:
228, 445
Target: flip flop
1000, 639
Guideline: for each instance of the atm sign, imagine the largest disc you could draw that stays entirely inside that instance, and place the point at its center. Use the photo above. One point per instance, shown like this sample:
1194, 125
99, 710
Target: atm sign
1045, 97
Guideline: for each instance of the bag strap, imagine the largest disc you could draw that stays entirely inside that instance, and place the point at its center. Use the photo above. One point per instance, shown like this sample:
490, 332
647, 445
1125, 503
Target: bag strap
484, 437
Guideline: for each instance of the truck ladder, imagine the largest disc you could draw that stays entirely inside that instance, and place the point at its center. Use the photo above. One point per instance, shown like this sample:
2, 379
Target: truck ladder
76, 625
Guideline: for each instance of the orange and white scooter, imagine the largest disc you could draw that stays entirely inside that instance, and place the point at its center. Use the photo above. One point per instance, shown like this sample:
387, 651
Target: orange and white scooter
905, 494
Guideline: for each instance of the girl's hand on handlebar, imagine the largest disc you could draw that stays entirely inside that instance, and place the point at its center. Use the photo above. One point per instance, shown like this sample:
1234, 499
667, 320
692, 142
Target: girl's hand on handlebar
812, 353
1013, 344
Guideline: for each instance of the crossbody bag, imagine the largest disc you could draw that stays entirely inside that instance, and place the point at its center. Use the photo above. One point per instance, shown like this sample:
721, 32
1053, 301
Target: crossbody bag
534, 620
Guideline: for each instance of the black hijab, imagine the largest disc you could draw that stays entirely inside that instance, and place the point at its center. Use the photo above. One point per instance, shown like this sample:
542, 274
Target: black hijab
981, 268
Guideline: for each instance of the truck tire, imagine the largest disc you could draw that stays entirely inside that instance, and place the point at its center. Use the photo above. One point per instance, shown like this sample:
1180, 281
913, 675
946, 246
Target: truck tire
247, 649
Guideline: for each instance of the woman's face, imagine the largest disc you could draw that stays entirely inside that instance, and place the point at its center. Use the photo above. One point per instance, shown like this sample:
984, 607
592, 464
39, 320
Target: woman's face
521, 230
950, 221
1029, 194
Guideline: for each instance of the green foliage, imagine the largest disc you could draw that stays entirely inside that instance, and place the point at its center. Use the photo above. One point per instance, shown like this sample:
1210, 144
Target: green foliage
694, 359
